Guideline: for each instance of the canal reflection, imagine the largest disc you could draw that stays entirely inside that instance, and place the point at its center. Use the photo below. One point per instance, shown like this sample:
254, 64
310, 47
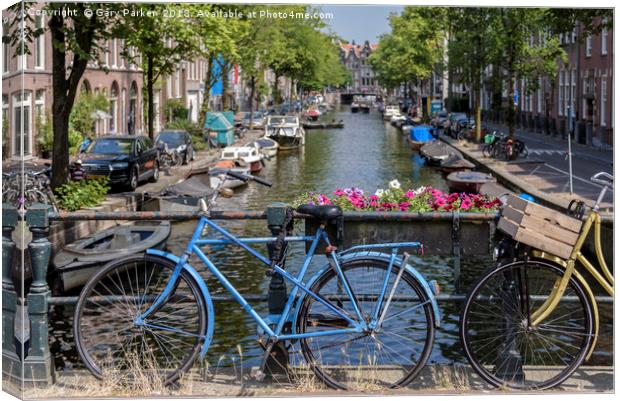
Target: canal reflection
367, 153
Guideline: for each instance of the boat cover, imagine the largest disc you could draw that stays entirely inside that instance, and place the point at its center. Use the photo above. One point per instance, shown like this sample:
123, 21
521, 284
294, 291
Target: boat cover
197, 185
218, 122
421, 133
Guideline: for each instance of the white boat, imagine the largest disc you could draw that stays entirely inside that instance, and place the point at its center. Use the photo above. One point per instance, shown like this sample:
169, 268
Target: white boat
286, 130
389, 111
266, 146
245, 155
216, 176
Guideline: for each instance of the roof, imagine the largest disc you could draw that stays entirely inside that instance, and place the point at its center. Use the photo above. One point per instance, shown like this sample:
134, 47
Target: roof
357, 49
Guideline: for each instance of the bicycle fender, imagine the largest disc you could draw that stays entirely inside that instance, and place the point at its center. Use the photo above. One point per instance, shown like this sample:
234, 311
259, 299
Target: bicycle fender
376, 256
208, 336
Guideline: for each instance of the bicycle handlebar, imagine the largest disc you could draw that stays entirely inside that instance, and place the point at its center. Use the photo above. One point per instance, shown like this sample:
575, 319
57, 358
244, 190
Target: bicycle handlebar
603, 178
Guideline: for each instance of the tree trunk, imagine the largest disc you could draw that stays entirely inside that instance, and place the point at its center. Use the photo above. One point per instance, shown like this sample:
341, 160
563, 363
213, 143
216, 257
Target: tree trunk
276, 94
225, 92
206, 97
149, 96
64, 91
252, 89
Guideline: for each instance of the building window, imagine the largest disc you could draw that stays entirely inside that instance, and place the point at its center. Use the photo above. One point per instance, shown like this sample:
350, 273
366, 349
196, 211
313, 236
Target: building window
5, 51
113, 107
39, 106
589, 46
603, 107
5, 115
22, 124
539, 96
106, 53
39, 44
123, 120
573, 91
169, 87
561, 94
177, 83
114, 53
604, 35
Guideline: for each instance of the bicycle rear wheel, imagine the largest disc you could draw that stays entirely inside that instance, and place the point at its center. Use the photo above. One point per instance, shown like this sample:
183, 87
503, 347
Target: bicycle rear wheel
501, 344
113, 346
389, 357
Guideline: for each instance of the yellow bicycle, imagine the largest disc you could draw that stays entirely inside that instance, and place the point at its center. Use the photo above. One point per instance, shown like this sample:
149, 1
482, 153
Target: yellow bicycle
530, 321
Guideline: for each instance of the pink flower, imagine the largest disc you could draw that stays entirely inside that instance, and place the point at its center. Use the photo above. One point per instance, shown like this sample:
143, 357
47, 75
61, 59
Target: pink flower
466, 204
339, 192
404, 206
409, 194
373, 203
374, 198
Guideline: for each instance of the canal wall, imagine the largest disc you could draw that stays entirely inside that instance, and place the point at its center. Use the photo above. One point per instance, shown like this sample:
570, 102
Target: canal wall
518, 185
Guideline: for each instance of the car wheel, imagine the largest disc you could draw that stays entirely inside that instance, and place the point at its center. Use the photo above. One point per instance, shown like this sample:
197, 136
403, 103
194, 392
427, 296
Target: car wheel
133, 179
155, 175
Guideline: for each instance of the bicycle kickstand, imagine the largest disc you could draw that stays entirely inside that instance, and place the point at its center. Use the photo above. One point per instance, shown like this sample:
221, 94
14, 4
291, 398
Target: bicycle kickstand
260, 375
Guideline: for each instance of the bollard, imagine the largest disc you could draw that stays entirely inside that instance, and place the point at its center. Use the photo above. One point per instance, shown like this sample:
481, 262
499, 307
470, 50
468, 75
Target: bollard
38, 369
11, 363
277, 294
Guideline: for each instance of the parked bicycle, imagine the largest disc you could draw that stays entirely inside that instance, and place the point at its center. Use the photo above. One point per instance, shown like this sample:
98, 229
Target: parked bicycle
530, 321
23, 190
168, 158
500, 146
366, 318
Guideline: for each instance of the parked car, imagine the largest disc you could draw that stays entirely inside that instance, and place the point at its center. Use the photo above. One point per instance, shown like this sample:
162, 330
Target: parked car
257, 119
126, 160
450, 124
439, 119
179, 140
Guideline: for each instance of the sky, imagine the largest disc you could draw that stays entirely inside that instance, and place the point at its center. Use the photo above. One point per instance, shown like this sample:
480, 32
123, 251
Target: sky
360, 23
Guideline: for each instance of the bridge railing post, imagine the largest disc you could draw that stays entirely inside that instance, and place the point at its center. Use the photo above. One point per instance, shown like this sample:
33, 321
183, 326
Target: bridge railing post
277, 294
11, 363
38, 365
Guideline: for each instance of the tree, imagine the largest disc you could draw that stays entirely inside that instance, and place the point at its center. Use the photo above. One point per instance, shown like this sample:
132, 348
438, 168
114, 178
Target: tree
520, 55
412, 49
76, 41
162, 38
470, 49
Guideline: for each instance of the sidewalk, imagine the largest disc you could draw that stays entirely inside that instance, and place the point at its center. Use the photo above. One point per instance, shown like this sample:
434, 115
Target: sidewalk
542, 174
536, 139
226, 382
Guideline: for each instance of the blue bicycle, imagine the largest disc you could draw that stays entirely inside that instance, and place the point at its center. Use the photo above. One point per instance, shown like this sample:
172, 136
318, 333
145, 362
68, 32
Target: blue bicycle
365, 320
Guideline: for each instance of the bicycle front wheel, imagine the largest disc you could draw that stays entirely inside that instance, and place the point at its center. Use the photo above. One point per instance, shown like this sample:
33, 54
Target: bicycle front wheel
388, 357
499, 339
110, 342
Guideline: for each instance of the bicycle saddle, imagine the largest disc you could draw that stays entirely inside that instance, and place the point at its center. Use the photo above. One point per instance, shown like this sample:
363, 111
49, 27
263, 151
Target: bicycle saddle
323, 213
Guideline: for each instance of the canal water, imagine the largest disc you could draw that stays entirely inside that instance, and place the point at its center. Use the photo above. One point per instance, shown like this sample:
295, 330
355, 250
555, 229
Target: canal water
367, 153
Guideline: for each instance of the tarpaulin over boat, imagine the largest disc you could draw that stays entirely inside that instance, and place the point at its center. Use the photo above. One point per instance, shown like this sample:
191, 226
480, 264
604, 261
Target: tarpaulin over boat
197, 185
421, 133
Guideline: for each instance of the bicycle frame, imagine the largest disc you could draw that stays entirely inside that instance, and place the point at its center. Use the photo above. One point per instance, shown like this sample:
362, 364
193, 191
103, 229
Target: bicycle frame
606, 280
356, 322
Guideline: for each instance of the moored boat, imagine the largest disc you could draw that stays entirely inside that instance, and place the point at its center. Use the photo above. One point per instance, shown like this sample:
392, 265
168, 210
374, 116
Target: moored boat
355, 107
389, 111
245, 155
216, 176
183, 196
312, 114
419, 135
80, 260
266, 146
323, 125
455, 162
468, 181
286, 130
436, 151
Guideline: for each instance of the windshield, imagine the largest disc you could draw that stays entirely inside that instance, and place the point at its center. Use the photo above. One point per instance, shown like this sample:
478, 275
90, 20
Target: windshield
110, 146
171, 138
282, 120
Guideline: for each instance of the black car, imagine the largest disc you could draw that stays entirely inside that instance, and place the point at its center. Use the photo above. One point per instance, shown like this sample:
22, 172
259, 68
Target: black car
126, 160
178, 140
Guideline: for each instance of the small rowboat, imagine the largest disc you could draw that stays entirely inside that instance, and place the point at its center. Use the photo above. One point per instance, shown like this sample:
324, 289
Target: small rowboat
455, 163
80, 260
468, 181
215, 174
266, 146
320, 125
420, 135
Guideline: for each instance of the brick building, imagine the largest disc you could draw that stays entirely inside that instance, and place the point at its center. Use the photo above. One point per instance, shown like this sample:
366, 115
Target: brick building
27, 87
583, 90
355, 59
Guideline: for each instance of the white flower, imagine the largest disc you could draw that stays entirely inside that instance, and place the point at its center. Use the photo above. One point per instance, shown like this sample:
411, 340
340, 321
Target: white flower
379, 193
419, 190
394, 184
